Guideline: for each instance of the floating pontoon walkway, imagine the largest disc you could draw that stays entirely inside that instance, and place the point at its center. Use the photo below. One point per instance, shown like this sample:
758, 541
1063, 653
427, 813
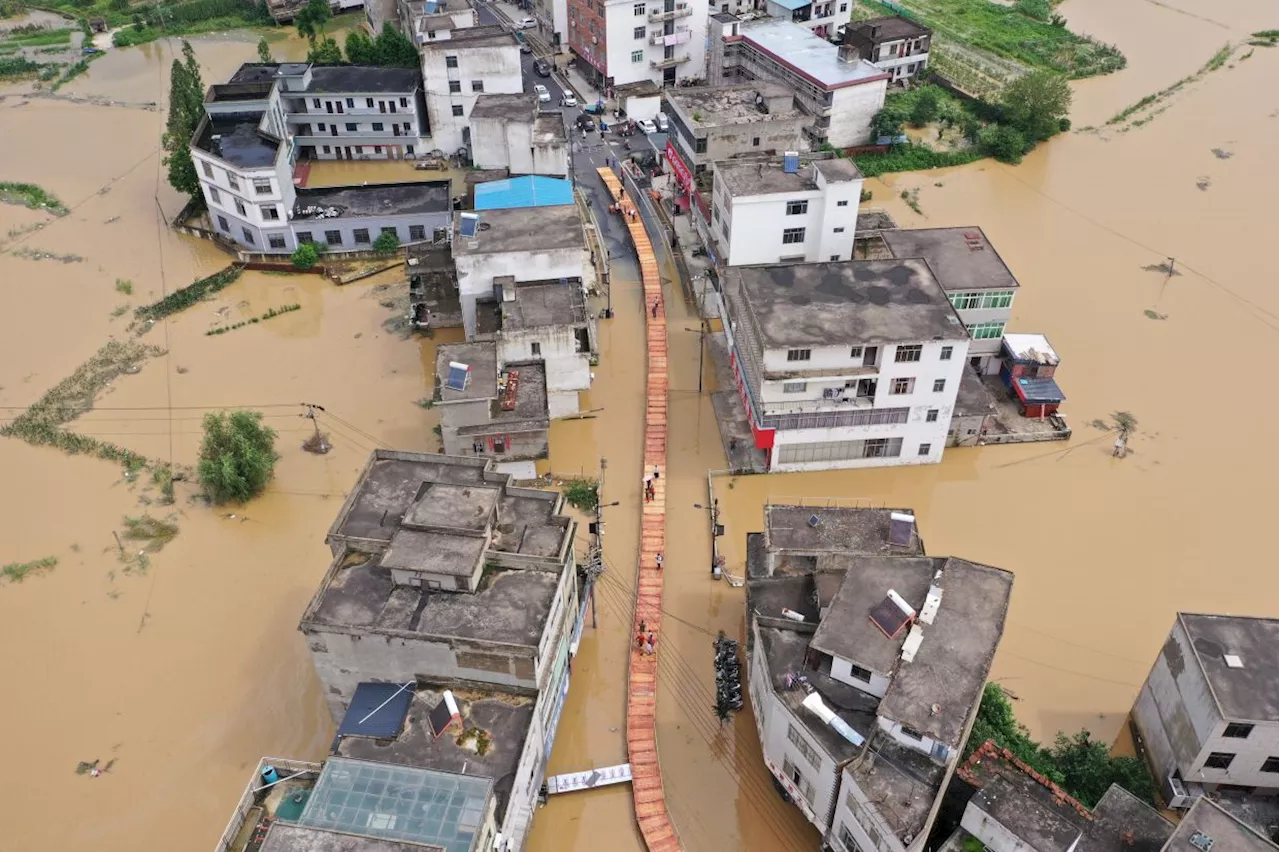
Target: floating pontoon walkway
642, 676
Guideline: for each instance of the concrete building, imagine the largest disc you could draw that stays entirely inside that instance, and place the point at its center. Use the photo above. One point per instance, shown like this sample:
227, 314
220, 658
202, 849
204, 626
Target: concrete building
459, 69
1209, 823
843, 365
434, 20
778, 211
626, 41
493, 409
866, 663
508, 132
820, 16
524, 245
346, 218
708, 125
1207, 714
893, 44
841, 91
975, 278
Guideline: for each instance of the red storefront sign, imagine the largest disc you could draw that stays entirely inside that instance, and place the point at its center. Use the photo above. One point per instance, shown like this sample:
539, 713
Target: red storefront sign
678, 168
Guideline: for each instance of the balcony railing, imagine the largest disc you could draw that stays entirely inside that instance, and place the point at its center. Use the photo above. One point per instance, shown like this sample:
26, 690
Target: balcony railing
680, 36
659, 64
677, 12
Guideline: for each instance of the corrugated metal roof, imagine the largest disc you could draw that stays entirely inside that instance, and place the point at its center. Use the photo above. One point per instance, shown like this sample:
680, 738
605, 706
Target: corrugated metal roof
1038, 390
529, 191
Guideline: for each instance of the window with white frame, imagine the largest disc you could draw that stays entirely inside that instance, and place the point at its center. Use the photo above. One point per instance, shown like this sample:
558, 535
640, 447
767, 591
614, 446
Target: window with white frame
240, 207
981, 299
270, 212
902, 385
799, 354
924, 451
208, 170
233, 182
797, 778
829, 451
261, 186
985, 330
844, 203
945, 353
637, 56
792, 235
939, 385
794, 387
808, 752
638, 10
638, 32
795, 208
213, 196
904, 354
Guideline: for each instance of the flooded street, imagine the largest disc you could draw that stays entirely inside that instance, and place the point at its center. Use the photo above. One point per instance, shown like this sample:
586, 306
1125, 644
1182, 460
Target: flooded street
188, 673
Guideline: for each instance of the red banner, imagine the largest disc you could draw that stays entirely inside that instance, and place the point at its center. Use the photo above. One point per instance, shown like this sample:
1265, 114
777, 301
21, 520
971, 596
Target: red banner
678, 168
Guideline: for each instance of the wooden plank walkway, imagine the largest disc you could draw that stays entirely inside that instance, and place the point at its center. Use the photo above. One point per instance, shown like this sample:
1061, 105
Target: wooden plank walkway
642, 675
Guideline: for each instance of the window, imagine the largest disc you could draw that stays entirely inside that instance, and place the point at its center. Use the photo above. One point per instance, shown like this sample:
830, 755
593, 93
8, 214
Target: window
451, 62
638, 10
965, 301
359, 149
390, 230
945, 354
834, 258
213, 195
797, 777
904, 354
985, 330
637, 56
638, 32
477, 85
1219, 760
1271, 764
304, 237
1238, 731
222, 223
408, 149
700, 145
792, 235
997, 298
377, 149
326, 149
901, 386
407, 128
939, 385
417, 232
847, 841
404, 102
838, 230
911, 733
262, 187
248, 236
270, 212
352, 127
240, 207
870, 355
986, 299
844, 7
881, 448
368, 103
321, 127
377, 125
822, 451
535, 349
276, 241
857, 672
208, 170
755, 141
351, 103
798, 354
233, 182
794, 387
315, 102
795, 208
808, 752
844, 203
361, 236
333, 238
457, 109
931, 416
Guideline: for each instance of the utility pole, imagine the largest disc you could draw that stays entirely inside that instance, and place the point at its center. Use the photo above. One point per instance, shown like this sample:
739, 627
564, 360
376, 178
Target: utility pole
595, 565
702, 333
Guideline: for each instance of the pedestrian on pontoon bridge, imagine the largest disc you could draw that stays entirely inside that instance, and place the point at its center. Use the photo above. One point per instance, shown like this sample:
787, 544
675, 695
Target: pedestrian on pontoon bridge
648, 488
656, 475
658, 561
654, 310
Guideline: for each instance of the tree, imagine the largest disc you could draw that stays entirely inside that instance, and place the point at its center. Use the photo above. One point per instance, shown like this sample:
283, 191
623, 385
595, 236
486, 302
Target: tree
1088, 770
305, 257
326, 52
311, 19
237, 456
386, 243
1036, 103
186, 106
926, 108
1003, 142
360, 49
1124, 423
888, 122
119, 5
264, 50
394, 50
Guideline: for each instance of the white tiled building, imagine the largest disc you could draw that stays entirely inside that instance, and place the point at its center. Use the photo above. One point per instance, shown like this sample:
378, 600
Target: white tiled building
659, 40
844, 365
894, 44
458, 70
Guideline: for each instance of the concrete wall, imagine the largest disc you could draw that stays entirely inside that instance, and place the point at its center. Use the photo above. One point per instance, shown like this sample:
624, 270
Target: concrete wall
994, 835
477, 271
852, 109
965, 431
497, 143
497, 69
621, 23
566, 367
843, 672
456, 414
858, 815
752, 226
347, 226
316, 123
551, 159
223, 184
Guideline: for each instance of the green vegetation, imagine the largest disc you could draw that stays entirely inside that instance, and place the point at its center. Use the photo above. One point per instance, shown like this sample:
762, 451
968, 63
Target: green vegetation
237, 456
73, 71
1080, 765
1265, 38
910, 158
1036, 104
325, 52
311, 19
16, 572
34, 35
583, 494
30, 195
180, 300
274, 312
264, 50
186, 108
37, 254
156, 533
124, 286
386, 243
390, 48
305, 256
1146, 104
17, 67
151, 22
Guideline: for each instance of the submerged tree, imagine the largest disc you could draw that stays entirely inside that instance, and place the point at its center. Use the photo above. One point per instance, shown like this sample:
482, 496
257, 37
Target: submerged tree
326, 52
360, 49
237, 456
393, 49
1036, 103
1125, 424
311, 19
264, 50
186, 106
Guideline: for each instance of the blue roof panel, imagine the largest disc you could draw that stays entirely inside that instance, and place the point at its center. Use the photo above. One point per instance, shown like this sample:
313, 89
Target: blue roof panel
528, 191
791, 5
1039, 391
377, 710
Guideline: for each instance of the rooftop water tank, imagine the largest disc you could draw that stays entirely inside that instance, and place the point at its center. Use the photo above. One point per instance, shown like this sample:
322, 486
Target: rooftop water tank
791, 162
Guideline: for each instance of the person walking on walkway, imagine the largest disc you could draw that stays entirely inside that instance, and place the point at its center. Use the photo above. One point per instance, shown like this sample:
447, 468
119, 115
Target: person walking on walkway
649, 643
648, 488
658, 560
656, 475
653, 311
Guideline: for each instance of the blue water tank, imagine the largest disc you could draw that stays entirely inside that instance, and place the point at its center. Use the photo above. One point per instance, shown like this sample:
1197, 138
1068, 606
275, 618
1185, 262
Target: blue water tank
791, 162
269, 775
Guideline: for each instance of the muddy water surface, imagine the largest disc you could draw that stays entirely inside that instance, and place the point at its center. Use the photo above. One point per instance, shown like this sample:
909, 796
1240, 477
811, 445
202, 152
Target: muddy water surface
188, 673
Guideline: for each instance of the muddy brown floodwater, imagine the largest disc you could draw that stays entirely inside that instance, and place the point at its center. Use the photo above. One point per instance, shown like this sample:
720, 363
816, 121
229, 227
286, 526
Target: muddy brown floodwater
188, 673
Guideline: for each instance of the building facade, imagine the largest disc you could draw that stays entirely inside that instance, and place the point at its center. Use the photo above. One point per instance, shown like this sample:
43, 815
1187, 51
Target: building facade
626, 41
458, 70
844, 365
708, 125
490, 407
820, 16
508, 132
433, 20
896, 45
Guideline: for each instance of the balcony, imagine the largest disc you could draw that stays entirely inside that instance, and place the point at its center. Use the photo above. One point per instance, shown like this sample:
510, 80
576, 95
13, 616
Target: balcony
680, 36
682, 11
659, 64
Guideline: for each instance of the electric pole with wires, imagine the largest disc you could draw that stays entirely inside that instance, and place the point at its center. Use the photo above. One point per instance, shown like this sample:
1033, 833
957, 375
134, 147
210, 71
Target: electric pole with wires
318, 443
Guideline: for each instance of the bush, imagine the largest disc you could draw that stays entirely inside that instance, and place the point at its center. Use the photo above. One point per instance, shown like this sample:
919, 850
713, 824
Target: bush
237, 456
926, 108
582, 494
1004, 143
1036, 10
305, 256
180, 300
910, 158
1064, 124
386, 243
1035, 104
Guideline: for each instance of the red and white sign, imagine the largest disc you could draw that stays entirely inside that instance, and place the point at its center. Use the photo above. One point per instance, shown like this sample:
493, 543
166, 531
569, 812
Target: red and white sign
683, 176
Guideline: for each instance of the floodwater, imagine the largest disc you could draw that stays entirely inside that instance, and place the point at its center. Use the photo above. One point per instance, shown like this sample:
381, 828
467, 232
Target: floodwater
188, 673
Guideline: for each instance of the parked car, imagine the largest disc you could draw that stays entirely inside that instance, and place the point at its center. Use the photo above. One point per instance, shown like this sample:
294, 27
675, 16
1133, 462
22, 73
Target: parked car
526, 23
585, 123
661, 120
568, 100
646, 126
544, 97
542, 68
525, 47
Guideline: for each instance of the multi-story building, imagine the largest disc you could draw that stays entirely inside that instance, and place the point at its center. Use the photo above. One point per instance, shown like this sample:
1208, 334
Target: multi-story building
625, 41
708, 124
458, 70
843, 365
432, 20
820, 16
893, 44
489, 407
1207, 714
784, 210
975, 278
840, 90
510, 132
866, 663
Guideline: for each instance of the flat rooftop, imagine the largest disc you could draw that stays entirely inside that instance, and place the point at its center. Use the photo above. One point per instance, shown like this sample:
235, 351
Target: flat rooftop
523, 229
723, 106
548, 129
233, 92
840, 529
972, 398
530, 403
237, 140
542, 305
747, 177
461, 39
814, 57
363, 79
1227, 833
1031, 347
503, 717
511, 107
888, 28
1248, 692
285, 837
384, 199
962, 259
903, 783
482, 379
859, 301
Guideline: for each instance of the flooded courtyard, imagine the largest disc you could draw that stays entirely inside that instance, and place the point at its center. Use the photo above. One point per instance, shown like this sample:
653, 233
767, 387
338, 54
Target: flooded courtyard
187, 672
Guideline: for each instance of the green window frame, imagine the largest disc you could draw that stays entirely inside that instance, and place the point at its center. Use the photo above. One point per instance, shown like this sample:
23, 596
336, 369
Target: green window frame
985, 330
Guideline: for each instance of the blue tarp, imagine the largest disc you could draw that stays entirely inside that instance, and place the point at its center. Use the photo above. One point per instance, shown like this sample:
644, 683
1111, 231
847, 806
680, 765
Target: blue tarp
387, 718
529, 191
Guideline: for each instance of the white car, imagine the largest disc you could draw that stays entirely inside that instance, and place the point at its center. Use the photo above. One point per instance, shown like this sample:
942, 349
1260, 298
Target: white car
526, 23
544, 97
568, 100
661, 120
646, 126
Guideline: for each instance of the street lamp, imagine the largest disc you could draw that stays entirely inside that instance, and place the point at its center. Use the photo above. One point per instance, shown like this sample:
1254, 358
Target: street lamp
716, 531
702, 348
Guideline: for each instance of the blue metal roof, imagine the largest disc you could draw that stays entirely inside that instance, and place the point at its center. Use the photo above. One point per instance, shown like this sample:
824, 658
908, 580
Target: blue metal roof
529, 191
1039, 391
377, 710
